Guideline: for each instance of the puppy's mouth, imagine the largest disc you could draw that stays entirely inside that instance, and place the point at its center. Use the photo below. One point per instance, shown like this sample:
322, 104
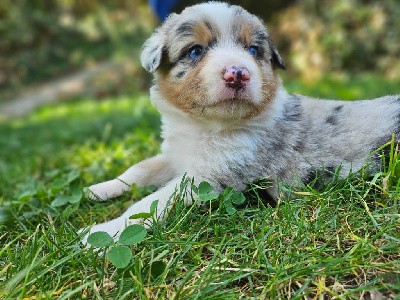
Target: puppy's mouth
227, 102
233, 95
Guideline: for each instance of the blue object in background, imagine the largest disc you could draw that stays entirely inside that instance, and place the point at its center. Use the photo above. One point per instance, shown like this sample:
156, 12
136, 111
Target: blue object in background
162, 8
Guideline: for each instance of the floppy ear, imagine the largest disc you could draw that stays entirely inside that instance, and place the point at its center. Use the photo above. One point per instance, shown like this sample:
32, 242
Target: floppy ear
276, 59
154, 47
152, 52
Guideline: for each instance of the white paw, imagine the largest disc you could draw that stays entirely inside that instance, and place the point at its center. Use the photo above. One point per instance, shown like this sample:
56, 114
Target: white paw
113, 228
107, 190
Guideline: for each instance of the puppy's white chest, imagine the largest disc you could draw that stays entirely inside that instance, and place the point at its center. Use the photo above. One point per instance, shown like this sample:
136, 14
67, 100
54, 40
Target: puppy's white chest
210, 153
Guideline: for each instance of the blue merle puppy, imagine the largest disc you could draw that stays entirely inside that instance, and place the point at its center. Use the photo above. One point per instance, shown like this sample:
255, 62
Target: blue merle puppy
227, 119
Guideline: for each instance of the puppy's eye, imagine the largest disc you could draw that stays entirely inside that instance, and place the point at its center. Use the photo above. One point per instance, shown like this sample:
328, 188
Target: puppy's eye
253, 50
195, 51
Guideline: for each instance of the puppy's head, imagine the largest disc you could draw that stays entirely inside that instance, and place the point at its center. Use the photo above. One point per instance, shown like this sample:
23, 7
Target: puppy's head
214, 61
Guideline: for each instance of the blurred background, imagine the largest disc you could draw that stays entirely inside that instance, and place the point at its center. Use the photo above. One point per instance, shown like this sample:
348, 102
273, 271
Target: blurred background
44, 41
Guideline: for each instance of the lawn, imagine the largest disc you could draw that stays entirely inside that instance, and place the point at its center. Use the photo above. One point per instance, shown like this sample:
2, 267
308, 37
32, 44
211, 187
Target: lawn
339, 242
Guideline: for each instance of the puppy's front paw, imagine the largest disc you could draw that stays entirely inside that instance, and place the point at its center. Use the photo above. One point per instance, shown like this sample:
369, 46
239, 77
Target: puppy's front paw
113, 228
106, 190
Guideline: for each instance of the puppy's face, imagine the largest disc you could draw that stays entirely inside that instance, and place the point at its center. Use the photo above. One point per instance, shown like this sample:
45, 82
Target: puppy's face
214, 61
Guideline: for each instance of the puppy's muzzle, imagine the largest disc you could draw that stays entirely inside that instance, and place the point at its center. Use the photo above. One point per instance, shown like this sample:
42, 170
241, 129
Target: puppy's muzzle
236, 77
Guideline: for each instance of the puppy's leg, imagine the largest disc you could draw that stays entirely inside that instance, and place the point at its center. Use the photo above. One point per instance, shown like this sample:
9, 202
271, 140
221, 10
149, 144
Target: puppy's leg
155, 170
163, 195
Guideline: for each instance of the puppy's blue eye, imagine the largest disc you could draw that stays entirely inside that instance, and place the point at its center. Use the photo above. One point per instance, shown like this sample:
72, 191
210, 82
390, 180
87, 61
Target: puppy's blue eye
195, 51
253, 50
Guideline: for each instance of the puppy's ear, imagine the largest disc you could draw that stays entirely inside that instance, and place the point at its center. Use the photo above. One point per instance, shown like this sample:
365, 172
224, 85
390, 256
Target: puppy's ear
152, 51
154, 47
276, 59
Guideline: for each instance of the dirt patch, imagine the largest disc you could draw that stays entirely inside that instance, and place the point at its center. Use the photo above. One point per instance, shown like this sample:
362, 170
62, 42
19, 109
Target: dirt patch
93, 81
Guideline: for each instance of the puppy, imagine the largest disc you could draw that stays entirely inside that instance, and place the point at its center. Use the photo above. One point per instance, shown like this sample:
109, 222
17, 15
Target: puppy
227, 119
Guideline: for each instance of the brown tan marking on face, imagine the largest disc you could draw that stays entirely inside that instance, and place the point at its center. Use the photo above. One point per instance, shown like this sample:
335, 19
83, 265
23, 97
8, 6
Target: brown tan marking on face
186, 91
244, 32
203, 33
185, 94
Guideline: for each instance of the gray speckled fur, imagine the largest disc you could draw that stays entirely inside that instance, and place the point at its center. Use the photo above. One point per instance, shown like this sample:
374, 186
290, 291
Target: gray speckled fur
304, 138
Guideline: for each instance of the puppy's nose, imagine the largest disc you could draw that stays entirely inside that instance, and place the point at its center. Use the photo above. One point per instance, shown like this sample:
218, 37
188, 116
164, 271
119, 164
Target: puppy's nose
236, 77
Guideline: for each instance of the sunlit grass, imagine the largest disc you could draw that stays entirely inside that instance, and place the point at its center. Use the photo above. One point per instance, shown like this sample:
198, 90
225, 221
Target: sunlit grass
62, 130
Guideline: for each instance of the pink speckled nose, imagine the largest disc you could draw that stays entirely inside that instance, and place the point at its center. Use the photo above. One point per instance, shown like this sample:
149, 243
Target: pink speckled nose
236, 77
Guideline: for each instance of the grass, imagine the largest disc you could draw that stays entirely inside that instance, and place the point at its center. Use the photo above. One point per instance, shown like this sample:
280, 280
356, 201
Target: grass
340, 242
